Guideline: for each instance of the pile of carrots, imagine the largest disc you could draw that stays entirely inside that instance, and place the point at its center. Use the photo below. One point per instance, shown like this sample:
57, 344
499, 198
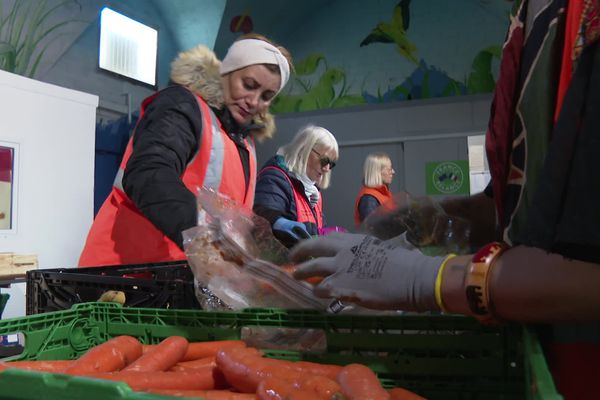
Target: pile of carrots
218, 370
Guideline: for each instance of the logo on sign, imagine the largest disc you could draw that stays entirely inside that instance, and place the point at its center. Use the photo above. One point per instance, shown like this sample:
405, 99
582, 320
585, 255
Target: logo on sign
447, 177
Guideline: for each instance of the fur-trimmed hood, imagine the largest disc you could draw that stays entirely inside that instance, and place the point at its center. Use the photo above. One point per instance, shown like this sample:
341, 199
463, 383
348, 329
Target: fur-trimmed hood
198, 70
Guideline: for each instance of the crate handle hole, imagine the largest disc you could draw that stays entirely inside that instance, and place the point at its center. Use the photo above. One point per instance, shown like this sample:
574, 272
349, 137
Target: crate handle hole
11, 345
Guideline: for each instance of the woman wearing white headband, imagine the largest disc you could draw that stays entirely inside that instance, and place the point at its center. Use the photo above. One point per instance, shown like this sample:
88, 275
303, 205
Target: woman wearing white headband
198, 132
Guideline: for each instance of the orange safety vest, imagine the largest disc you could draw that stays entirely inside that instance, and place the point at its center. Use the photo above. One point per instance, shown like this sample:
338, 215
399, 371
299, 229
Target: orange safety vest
304, 212
381, 193
120, 233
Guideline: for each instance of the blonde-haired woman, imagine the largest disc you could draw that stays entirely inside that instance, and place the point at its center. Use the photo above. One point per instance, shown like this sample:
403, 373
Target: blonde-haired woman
288, 189
200, 131
378, 174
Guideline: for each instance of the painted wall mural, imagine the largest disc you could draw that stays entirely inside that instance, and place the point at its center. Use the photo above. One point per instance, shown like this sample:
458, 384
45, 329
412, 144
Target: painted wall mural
32, 33
351, 52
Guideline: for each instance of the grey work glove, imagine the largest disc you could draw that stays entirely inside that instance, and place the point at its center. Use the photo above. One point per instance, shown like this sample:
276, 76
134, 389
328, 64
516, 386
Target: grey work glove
340, 241
369, 272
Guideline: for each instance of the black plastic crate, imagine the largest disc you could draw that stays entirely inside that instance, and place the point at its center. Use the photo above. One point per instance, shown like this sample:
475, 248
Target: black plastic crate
158, 285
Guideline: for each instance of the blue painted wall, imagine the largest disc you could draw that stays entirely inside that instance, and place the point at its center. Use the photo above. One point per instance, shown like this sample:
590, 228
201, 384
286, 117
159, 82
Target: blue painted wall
448, 37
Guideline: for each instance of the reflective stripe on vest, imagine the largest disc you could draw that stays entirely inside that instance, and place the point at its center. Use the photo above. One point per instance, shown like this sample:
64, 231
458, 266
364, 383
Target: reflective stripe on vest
214, 169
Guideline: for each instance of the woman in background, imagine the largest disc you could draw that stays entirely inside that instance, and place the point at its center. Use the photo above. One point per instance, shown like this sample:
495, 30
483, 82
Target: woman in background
377, 177
540, 261
198, 132
288, 189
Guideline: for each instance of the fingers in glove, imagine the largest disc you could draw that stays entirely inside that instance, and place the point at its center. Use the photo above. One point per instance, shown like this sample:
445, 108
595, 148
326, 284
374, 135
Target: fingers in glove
323, 266
330, 288
323, 246
401, 241
317, 247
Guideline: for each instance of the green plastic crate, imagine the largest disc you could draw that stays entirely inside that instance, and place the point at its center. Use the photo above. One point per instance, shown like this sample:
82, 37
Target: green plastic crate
437, 356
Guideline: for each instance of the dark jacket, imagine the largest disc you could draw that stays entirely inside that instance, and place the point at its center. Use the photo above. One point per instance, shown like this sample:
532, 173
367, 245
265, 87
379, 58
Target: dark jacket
274, 196
366, 205
165, 140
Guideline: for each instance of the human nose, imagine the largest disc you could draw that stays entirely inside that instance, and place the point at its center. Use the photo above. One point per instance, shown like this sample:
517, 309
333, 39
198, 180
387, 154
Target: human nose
326, 167
253, 100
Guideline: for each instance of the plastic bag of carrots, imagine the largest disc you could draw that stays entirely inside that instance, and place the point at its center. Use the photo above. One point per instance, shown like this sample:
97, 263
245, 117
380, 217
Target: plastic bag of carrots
238, 263
220, 370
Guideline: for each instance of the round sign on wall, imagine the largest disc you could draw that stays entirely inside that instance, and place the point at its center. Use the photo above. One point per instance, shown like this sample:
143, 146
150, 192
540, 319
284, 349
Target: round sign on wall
447, 177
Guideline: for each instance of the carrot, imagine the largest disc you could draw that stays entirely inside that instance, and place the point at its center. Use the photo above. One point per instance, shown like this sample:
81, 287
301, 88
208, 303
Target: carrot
38, 365
206, 394
109, 356
198, 350
147, 347
277, 389
192, 380
161, 357
194, 364
320, 386
273, 389
300, 395
328, 370
245, 368
358, 382
403, 394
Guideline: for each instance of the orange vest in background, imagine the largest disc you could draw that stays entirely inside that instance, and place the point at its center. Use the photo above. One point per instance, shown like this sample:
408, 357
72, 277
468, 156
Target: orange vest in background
120, 233
305, 213
381, 193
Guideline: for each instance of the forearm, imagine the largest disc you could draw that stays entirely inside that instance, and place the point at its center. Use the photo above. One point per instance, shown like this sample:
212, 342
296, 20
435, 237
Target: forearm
529, 285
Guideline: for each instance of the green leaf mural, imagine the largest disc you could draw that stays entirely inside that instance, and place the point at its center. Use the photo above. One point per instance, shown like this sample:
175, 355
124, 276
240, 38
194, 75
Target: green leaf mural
26, 34
8, 56
481, 79
324, 93
322, 79
309, 65
395, 32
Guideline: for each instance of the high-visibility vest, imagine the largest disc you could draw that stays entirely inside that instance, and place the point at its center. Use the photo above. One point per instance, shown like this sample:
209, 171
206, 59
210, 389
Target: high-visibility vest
304, 212
120, 233
381, 193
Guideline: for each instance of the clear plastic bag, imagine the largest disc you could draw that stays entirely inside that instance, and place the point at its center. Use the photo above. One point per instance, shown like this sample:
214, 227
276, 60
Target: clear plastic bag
238, 263
426, 224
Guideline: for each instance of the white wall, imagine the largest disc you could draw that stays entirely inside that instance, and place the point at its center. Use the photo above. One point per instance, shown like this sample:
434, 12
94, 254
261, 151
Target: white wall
55, 129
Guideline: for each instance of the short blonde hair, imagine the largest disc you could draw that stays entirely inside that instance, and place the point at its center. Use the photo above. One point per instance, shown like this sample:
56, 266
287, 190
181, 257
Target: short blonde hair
296, 153
374, 164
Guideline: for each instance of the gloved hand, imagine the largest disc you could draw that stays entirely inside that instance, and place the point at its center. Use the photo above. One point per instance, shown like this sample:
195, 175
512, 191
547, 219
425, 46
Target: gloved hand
289, 232
369, 272
337, 242
400, 241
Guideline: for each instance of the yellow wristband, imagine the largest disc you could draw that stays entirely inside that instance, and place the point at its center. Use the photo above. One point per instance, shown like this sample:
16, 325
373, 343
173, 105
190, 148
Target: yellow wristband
438, 282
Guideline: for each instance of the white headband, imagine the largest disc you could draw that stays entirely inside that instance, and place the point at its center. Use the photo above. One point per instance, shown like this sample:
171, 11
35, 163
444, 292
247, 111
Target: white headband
245, 52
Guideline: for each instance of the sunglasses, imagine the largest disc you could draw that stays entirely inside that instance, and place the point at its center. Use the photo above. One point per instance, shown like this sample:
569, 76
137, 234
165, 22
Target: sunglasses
324, 160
